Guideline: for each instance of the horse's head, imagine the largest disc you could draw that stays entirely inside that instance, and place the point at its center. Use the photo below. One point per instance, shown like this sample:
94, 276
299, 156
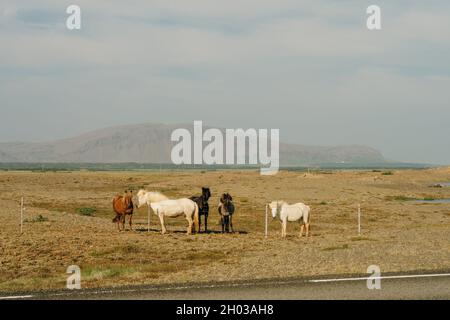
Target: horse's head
206, 193
223, 198
128, 199
275, 207
226, 197
141, 199
227, 203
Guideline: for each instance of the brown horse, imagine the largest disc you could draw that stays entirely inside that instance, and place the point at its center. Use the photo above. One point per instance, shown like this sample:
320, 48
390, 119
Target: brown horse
123, 205
226, 211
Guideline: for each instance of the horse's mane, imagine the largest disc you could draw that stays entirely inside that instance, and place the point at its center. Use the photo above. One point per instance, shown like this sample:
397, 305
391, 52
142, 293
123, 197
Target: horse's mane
158, 194
278, 203
152, 194
141, 192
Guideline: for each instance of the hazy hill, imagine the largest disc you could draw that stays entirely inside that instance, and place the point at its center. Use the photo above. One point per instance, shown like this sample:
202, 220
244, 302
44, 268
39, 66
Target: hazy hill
150, 143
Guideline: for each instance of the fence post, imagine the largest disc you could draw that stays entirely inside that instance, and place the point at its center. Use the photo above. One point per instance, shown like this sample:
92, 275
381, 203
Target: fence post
359, 219
148, 218
265, 231
21, 215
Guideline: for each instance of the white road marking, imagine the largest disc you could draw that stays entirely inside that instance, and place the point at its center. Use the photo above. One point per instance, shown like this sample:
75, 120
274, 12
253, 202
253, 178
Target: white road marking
16, 297
383, 277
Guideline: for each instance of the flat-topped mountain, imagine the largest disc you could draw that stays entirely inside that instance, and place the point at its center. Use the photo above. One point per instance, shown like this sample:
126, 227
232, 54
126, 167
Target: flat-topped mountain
150, 143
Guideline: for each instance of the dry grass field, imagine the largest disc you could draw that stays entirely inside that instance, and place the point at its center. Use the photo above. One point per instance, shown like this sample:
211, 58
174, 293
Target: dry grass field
68, 221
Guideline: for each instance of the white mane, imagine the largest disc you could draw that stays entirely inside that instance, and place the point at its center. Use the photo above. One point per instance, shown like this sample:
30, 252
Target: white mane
147, 197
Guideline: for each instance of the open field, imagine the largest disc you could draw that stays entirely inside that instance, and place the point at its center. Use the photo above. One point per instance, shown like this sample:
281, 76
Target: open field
69, 222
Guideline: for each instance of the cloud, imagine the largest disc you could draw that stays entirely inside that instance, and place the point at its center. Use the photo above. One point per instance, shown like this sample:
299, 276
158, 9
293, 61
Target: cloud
252, 63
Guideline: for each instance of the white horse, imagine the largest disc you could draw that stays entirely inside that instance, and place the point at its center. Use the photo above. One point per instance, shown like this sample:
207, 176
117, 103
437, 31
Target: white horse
176, 208
169, 208
291, 212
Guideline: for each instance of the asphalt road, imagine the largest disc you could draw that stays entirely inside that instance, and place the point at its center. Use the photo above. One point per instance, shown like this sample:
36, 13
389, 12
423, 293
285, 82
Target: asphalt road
392, 287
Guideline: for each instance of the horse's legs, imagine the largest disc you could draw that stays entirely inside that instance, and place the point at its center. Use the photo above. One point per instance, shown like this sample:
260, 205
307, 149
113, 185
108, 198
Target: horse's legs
119, 222
231, 223
307, 230
131, 224
227, 224
190, 224
284, 229
222, 222
206, 224
163, 227
301, 230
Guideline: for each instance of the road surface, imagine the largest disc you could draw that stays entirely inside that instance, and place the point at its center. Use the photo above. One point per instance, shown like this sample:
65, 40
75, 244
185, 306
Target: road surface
412, 286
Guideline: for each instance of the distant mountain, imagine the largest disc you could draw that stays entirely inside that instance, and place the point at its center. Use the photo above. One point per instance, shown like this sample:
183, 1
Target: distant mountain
150, 143
296, 155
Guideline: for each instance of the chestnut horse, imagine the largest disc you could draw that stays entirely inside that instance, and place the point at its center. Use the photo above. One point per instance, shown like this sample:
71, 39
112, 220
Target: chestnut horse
123, 205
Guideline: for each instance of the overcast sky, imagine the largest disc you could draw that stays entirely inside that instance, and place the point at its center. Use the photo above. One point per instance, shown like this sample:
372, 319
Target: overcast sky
310, 68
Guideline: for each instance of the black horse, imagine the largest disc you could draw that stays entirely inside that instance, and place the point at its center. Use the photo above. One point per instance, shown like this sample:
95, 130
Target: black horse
226, 210
203, 207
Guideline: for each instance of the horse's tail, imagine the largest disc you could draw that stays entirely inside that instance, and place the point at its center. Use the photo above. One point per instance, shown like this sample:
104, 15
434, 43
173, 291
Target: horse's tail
309, 216
196, 219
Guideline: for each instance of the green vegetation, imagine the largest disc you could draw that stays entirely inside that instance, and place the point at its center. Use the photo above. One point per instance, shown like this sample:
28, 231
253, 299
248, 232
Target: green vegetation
344, 246
387, 173
87, 211
128, 166
405, 198
135, 187
98, 273
399, 198
39, 218
323, 168
361, 238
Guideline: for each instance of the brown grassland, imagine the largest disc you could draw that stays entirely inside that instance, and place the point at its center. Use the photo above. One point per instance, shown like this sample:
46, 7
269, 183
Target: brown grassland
68, 221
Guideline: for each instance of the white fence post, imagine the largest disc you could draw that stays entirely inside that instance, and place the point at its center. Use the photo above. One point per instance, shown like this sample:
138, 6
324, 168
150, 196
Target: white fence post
148, 218
359, 219
21, 215
267, 217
